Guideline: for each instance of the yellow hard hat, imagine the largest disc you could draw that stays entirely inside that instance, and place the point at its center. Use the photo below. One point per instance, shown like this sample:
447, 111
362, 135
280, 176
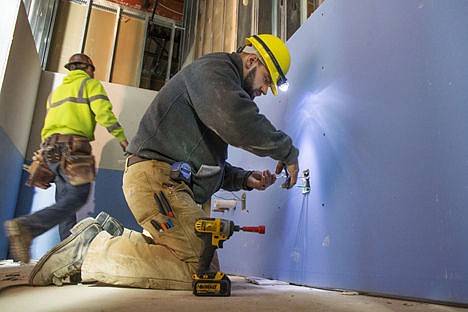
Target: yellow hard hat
276, 56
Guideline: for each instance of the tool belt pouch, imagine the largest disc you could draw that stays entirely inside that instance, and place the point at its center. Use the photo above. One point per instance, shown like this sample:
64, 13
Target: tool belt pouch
79, 168
51, 153
77, 163
39, 174
80, 145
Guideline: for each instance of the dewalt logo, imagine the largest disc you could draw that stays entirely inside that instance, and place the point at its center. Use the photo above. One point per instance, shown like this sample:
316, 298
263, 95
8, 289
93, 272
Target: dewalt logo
208, 286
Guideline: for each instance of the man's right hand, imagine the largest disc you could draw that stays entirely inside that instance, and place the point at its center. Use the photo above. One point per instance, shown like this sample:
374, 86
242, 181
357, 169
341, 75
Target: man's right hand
293, 170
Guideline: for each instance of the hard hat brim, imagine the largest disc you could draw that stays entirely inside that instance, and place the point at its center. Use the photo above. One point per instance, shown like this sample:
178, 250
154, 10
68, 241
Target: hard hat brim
269, 64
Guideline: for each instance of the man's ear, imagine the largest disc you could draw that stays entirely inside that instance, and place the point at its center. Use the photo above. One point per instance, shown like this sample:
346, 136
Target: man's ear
251, 60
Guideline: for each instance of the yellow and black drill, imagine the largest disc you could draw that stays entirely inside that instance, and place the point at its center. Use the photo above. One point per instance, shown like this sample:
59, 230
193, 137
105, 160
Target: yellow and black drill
213, 232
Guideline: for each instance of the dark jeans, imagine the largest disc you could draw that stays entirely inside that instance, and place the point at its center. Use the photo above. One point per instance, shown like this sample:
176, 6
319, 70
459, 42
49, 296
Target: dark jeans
68, 200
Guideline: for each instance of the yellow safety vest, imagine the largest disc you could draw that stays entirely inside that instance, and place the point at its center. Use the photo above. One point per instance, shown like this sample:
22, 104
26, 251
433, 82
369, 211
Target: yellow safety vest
75, 107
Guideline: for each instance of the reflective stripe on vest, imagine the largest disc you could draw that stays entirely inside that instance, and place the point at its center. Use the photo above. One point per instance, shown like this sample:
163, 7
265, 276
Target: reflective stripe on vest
113, 127
80, 99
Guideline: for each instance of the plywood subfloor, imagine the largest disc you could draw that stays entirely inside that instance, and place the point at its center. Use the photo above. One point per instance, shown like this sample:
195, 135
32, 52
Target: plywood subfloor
246, 296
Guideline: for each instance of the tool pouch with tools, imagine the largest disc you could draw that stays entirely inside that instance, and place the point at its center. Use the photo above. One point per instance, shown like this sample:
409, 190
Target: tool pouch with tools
39, 173
79, 169
77, 162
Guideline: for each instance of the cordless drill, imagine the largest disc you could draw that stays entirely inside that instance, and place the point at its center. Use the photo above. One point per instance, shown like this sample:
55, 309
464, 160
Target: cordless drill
213, 232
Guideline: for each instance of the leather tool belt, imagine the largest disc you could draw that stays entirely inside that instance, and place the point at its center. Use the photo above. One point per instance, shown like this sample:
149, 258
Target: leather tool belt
74, 154
133, 159
57, 144
39, 173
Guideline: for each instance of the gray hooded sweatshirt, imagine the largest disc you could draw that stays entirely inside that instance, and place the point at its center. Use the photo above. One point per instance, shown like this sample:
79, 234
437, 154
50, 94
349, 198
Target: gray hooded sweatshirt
197, 114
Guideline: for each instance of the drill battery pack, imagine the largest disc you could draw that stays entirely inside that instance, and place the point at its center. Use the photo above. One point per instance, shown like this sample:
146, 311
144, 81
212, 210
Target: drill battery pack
213, 284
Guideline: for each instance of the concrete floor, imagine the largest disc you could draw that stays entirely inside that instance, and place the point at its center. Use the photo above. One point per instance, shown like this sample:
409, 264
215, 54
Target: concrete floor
246, 296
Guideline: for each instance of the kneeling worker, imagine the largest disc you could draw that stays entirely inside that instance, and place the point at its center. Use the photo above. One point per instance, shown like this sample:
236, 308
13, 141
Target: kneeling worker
178, 162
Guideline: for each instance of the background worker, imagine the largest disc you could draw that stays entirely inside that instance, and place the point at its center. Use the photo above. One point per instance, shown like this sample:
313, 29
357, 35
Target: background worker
179, 156
73, 109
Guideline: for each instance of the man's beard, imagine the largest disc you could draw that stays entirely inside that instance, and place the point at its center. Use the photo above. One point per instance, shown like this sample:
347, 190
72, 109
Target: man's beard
249, 81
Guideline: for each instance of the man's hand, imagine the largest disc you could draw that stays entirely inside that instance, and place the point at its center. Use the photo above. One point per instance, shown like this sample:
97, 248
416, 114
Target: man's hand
261, 180
293, 170
123, 145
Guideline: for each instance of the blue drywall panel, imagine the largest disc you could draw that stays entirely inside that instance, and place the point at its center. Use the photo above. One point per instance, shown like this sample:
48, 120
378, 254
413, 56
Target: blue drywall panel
109, 197
19, 81
106, 195
11, 161
377, 106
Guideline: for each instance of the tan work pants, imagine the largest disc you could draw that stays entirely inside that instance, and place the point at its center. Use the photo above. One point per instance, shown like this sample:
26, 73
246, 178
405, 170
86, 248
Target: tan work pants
169, 260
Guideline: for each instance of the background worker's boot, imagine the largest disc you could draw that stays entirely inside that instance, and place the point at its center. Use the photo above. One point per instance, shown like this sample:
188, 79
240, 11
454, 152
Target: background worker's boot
65, 258
110, 224
20, 240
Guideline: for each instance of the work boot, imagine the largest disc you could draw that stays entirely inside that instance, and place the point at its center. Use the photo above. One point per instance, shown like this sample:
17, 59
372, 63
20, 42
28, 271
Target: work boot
20, 240
110, 224
65, 258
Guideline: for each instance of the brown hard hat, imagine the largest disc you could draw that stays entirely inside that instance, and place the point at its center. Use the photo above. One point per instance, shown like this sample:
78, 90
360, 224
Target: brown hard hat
79, 61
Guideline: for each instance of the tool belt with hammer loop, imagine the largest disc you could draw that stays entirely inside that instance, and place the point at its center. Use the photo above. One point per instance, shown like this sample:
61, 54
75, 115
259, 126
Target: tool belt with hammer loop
74, 154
